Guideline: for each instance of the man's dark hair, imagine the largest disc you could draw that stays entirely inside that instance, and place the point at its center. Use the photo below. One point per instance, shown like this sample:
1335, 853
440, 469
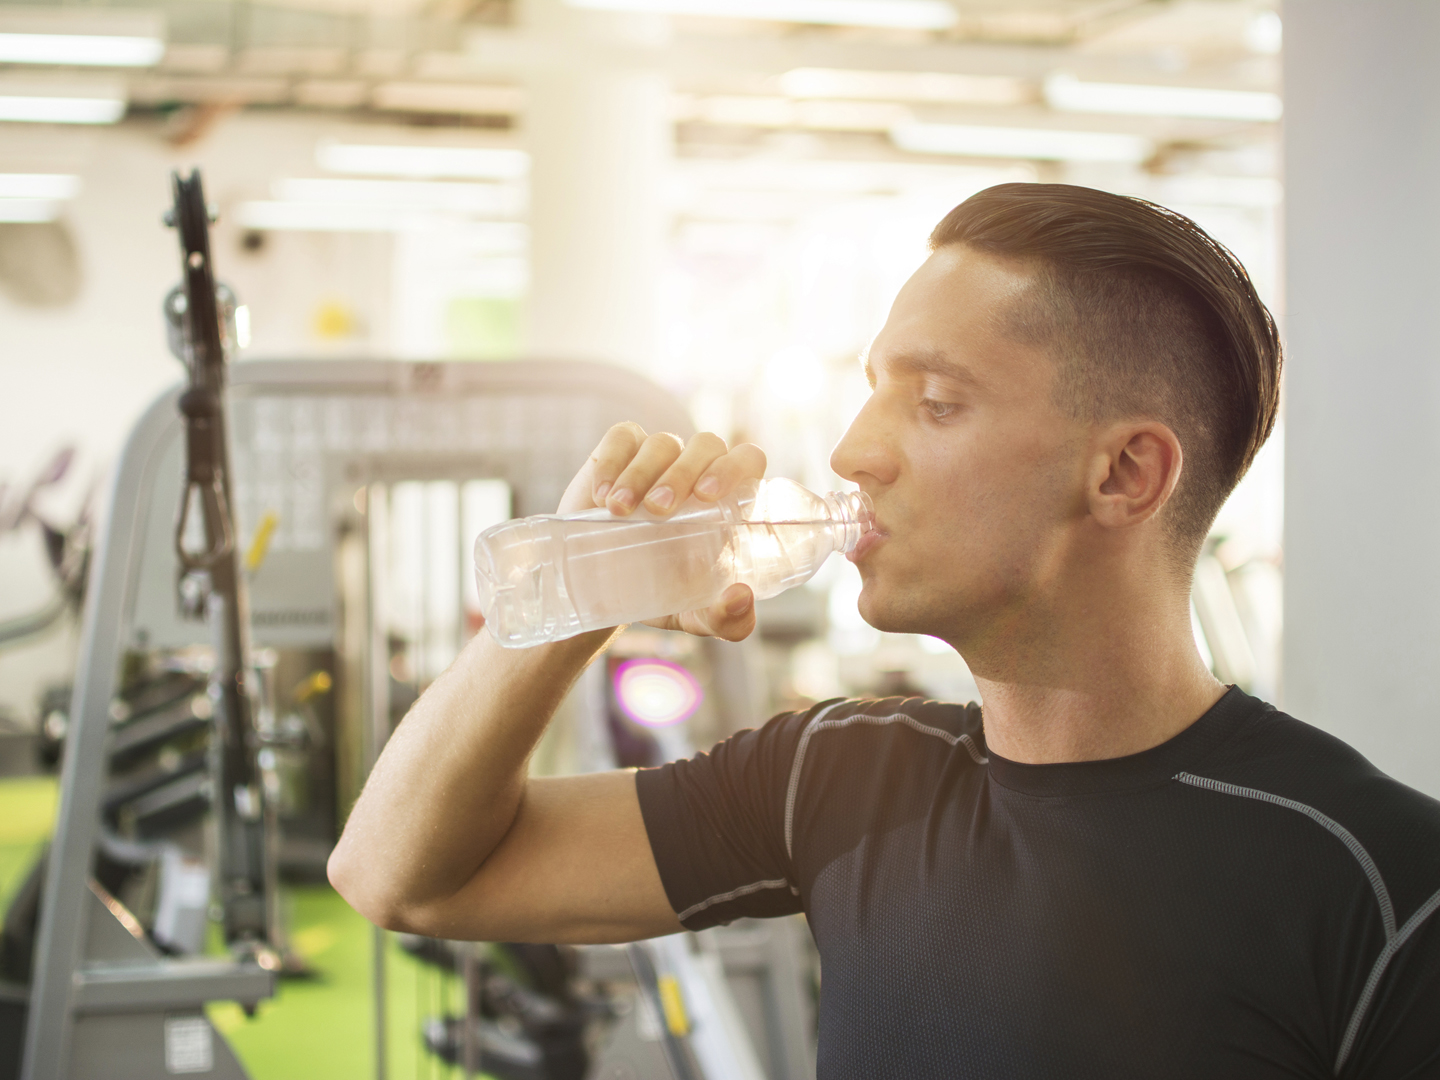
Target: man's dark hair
1147, 316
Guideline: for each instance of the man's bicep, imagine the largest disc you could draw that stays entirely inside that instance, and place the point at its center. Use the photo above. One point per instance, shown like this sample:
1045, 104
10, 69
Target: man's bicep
575, 867
716, 824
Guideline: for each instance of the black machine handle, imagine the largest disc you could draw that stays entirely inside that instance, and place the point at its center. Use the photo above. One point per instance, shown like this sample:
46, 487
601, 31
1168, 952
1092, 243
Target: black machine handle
211, 585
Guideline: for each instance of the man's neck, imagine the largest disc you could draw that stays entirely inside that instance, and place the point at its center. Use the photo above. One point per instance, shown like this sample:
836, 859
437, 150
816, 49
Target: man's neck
1096, 681
1043, 725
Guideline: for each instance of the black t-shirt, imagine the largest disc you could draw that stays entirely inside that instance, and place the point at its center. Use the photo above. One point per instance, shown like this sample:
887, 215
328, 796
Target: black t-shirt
1250, 899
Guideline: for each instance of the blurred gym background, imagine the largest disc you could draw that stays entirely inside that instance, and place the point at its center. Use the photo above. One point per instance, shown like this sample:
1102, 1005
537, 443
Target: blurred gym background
719, 196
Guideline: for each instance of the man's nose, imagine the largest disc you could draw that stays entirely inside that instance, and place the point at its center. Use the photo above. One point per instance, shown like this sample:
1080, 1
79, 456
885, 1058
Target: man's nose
862, 450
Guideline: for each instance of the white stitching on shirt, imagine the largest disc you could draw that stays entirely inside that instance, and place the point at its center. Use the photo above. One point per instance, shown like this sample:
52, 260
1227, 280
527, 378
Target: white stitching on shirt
735, 894
795, 772
1386, 955
818, 724
1367, 864
1394, 939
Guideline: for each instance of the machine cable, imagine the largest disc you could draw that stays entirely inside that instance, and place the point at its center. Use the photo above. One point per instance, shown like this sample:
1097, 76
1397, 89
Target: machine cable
210, 584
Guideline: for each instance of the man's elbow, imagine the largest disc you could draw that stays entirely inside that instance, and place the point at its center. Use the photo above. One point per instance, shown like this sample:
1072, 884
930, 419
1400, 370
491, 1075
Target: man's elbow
363, 889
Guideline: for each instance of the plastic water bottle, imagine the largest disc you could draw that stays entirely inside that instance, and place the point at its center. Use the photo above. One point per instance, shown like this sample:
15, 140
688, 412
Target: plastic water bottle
551, 576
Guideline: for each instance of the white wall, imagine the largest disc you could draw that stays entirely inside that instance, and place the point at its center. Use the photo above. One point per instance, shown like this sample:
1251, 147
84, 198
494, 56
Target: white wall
1362, 519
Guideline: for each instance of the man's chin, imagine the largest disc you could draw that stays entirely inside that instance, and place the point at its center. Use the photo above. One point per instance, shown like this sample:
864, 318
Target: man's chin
891, 618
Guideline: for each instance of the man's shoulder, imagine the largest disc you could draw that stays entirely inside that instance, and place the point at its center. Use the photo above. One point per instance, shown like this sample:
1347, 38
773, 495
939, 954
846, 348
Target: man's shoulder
884, 728
952, 723
848, 744
1279, 759
1313, 765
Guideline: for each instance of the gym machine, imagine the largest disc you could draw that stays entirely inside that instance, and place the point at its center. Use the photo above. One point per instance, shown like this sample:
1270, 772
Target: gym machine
351, 490
104, 999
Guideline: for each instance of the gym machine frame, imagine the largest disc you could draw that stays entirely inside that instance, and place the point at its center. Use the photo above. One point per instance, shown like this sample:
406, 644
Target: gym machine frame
103, 1000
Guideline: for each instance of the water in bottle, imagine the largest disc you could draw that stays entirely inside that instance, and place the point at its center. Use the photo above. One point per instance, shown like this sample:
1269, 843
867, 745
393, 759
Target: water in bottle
551, 576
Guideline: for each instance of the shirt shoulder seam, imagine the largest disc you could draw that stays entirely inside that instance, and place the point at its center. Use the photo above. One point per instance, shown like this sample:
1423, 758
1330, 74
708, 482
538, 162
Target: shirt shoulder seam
1344, 835
822, 722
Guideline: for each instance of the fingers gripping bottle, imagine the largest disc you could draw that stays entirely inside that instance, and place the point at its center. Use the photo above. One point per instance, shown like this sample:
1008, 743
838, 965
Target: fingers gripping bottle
550, 577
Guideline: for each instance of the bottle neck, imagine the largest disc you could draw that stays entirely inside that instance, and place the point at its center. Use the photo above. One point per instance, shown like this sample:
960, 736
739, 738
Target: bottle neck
851, 515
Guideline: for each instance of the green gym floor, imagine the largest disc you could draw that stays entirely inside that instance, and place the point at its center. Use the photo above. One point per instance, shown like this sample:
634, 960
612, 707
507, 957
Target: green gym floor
313, 1028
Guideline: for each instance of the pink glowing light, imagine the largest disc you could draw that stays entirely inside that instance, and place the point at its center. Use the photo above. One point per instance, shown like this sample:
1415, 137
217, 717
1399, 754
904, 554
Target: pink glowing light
656, 693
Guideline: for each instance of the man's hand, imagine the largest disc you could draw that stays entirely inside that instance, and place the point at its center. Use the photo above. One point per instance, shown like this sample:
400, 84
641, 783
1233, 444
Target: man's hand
630, 468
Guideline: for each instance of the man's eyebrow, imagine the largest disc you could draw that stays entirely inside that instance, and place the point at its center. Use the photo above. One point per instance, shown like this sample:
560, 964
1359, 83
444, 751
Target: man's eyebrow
926, 362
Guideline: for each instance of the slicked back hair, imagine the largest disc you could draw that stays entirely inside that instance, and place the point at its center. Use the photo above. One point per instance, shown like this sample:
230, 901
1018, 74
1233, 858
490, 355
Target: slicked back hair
1147, 316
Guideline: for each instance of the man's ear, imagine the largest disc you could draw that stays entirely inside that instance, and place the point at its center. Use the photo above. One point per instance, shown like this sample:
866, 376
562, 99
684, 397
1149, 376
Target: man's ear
1135, 472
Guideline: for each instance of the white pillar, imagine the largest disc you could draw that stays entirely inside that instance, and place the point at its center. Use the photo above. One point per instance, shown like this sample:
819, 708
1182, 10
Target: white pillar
597, 123
1362, 482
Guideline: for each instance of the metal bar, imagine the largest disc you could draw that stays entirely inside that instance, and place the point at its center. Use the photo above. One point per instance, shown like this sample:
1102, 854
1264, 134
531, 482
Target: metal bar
377, 728
378, 948
677, 1056
175, 984
469, 965
61, 935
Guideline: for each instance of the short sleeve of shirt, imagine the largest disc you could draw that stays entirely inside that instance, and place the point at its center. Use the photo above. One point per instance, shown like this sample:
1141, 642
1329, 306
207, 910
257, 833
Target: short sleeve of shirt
716, 824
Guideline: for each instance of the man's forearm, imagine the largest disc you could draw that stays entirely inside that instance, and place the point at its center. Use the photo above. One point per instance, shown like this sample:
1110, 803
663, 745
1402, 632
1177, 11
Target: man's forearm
449, 782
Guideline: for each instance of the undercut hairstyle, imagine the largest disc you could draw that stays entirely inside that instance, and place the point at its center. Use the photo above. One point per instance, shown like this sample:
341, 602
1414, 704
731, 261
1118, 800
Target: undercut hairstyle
1147, 317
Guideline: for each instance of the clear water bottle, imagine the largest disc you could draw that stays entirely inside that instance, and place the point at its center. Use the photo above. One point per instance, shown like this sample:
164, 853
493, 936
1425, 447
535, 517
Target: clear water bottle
551, 576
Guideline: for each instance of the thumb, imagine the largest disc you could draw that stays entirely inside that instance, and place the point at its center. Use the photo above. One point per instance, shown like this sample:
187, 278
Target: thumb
730, 618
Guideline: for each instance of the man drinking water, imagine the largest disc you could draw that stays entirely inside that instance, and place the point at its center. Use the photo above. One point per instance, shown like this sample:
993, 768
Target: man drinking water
1118, 867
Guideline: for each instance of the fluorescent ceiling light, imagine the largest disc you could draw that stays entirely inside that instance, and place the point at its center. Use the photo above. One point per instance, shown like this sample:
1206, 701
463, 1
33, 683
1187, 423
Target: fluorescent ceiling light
900, 14
99, 50
501, 200
1132, 99
38, 186
1035, 143
61, 110
28, 211
460, 162
905, 86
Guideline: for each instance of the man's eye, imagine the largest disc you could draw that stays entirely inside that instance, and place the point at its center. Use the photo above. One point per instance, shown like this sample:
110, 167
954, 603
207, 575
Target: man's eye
938, 409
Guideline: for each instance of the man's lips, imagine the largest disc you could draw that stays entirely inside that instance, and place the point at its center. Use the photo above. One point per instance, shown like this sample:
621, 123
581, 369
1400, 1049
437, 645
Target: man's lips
873, 538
